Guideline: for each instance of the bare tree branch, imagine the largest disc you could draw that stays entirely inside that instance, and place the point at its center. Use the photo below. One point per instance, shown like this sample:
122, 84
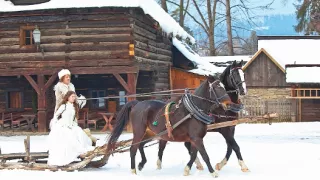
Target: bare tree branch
201, 15
194, 19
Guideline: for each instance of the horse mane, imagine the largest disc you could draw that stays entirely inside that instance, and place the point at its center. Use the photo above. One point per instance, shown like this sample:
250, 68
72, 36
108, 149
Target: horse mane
224, 76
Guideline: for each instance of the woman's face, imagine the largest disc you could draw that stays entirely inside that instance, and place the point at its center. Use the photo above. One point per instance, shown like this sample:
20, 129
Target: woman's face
66, 79
72, 98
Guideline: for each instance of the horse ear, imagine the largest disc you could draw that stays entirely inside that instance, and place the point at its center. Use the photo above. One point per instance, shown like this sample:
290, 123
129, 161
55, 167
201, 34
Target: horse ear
234, 63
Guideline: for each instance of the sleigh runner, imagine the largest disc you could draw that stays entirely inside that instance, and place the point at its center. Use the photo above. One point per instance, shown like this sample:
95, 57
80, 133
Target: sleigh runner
36, 160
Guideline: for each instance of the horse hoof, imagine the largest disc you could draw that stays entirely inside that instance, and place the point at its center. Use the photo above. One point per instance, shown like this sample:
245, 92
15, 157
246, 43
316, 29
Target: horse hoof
186, 171
133, 171
159, 164
214, 174
199, 165
218, 167
140, 166
200, 168
245, 170
243, 166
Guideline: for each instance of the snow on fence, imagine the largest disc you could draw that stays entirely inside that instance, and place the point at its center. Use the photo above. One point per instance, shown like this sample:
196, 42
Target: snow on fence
258, 107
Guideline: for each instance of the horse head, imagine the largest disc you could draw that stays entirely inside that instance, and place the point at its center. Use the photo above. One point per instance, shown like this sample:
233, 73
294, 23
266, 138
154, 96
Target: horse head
233, 78
211, 94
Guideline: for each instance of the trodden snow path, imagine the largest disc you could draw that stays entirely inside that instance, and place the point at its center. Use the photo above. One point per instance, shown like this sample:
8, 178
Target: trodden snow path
280, 151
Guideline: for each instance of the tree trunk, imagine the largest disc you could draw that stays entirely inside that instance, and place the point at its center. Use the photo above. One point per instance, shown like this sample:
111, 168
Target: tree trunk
164, 5
181, 16
229, 28
212, 19
212, 48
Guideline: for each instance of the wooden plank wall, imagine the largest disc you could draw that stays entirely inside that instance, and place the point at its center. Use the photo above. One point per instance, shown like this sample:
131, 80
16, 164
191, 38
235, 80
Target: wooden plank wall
152, 49
181, 79
74, 37
310, 110
262, 72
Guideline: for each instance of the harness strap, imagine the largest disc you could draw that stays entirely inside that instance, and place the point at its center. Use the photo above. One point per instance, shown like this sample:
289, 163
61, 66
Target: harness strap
167, 115
161, 133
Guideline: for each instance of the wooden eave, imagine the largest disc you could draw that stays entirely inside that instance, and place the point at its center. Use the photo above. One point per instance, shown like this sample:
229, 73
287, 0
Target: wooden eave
74, 70
27, 2
262, 50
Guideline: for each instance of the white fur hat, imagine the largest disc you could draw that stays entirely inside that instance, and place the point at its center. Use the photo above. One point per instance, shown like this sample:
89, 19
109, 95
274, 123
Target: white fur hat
63, 72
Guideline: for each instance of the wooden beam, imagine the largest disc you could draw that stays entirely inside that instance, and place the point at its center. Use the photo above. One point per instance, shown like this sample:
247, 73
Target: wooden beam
122, 82
50, 81
33, 83
78, 70
132, 83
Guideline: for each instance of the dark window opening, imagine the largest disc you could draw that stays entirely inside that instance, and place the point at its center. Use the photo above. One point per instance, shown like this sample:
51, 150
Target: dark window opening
26, 36
100, 102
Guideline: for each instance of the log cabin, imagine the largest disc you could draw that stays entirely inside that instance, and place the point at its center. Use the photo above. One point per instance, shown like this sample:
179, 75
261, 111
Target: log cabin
111, 48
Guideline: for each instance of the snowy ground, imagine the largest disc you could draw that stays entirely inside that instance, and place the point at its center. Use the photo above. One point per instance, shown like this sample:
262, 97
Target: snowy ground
280, 151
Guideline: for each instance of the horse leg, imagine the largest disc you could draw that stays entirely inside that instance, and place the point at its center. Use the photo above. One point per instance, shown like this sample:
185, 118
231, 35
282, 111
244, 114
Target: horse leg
233, 143
228, 134
193, 155
162, 146
143, 156
137, 137
224, 161
199, 166
198, 142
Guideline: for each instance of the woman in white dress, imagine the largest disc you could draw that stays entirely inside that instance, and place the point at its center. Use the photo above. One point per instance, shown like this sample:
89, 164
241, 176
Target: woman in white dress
67, 141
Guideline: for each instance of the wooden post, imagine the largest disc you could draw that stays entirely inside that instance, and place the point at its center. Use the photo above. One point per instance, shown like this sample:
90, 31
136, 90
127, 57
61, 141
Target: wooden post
42, 111
27, 148
132, 83
40, 87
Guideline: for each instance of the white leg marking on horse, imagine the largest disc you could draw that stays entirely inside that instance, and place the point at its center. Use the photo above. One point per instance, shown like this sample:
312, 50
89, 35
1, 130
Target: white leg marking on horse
199, 165
244, 167
220, 165
215, 174
186, 171
159, 164
133, 171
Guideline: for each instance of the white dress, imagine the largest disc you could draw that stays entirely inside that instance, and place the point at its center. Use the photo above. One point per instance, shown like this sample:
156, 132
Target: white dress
66, 140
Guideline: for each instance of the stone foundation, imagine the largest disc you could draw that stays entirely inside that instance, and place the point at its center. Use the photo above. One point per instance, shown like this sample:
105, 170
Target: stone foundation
269, 93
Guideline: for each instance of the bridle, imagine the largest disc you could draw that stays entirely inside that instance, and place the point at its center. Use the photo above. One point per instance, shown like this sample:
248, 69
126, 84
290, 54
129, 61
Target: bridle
233, 81
195, 111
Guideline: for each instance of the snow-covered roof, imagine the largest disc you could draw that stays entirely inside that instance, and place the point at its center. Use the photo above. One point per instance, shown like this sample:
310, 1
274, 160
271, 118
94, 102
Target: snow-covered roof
299, 74
203, 67
292, 51
226, 59
167, 23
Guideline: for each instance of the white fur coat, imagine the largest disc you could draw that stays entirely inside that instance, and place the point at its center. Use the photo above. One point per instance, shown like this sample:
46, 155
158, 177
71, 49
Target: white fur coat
61, 90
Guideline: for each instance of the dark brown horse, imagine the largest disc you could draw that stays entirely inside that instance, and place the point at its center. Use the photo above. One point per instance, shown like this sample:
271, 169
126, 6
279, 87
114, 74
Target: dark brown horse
234, 82
148, 120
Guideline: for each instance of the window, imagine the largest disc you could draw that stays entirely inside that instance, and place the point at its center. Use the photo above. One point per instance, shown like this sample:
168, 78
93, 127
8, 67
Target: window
98, 103
26, 36
122, 99
14, 100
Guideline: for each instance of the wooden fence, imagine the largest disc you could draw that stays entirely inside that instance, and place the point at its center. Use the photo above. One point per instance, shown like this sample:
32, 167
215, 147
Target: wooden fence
258, 107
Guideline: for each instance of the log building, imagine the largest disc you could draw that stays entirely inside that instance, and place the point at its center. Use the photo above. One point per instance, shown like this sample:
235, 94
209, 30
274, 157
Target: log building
110, 51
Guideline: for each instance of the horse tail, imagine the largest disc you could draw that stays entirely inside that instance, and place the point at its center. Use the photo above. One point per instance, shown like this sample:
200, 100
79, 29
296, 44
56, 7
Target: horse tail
122, 120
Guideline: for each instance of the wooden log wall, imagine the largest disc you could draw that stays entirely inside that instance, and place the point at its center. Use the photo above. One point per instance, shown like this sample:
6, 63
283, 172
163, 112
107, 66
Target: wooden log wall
153, 49
78, 38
